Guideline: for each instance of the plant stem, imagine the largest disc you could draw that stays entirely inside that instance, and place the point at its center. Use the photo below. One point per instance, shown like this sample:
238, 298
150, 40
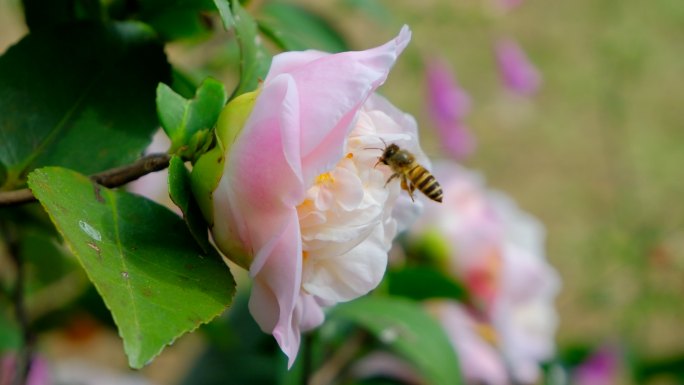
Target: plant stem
111, 178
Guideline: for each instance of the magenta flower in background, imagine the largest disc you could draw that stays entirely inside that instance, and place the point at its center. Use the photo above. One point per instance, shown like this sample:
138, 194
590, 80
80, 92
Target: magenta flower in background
39, 373
600, 368
448, 105
517, 72
508, 5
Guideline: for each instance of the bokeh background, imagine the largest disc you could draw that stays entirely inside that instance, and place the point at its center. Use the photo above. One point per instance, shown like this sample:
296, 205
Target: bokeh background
596, 154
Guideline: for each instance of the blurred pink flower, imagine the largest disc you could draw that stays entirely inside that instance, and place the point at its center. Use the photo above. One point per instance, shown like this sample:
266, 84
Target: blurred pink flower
508, 5
517, 72
480, 361
39, 373
497, 251
448, 104
300, 196
600, 368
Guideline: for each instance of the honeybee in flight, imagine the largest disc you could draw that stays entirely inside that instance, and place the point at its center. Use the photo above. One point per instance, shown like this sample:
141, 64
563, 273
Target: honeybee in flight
413, 175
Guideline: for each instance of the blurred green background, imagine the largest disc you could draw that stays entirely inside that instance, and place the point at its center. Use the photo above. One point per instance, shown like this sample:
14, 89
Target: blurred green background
596, 155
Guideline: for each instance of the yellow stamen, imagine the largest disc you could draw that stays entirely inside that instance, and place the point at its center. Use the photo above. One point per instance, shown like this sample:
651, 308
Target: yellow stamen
487, 333
324, 178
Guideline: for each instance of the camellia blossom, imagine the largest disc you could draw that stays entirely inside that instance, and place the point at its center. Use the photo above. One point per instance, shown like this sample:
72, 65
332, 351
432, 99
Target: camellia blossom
517, 71
448, 105
497, 251
300, 199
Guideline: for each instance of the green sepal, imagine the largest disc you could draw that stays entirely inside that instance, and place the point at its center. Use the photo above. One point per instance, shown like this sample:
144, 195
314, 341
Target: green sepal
188, 122
207, 171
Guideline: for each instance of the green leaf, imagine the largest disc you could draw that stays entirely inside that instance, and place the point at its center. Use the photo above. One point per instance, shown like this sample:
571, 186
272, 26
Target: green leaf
141, 258
177, 19
181, 194
254, 59
293, 27
189, 122
3, 174
46, 14
79, 95
10, 334
423, 282
406, 328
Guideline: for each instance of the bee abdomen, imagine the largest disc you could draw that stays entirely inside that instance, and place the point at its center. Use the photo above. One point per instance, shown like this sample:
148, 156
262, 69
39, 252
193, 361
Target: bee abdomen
425, 182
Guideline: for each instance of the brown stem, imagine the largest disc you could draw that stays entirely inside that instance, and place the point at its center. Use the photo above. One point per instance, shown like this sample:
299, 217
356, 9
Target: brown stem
327, 373
111, 178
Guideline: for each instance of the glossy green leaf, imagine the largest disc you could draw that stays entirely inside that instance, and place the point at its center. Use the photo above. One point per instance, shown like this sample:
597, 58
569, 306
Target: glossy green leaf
180, 191
405, 327
79, 95
423, 282
189, 122
141, 258
254, 59
293, 27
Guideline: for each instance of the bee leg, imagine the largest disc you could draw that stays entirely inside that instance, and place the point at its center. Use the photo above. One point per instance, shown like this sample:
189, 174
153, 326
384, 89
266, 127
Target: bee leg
395, 175
408, 186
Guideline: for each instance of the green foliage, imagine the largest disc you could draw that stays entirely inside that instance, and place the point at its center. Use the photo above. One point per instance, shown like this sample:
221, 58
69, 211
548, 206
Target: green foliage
180, 191
10, 335
423, 282
406, 328
46, 14
177, 19
238, 352
189, 122
254, 59
70, 92
294, 28
141, 258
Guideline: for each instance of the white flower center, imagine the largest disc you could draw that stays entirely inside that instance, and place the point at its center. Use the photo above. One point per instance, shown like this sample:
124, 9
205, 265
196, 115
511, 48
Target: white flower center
346, 224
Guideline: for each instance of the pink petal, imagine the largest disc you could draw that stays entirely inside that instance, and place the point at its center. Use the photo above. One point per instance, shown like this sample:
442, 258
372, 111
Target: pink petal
517, 72
333, 88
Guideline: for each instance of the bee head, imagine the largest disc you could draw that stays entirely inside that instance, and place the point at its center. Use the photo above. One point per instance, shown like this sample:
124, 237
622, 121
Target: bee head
389, 152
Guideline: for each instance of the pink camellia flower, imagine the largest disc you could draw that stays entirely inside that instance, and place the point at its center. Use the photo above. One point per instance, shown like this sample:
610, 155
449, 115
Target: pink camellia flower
517, 72
300, 202
448, 104
497, 251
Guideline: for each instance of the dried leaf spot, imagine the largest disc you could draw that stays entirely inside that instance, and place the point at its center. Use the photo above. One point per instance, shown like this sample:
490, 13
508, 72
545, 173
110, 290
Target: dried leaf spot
124, 274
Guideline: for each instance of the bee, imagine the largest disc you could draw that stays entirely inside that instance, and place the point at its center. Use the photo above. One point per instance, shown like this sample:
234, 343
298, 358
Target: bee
413, 175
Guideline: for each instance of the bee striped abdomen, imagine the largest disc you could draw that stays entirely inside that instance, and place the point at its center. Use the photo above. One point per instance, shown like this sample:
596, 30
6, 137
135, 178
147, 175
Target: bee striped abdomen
425, 182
